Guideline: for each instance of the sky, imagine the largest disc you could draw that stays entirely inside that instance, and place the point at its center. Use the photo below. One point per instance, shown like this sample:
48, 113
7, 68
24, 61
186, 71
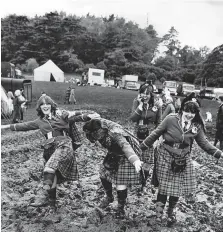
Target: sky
199, 22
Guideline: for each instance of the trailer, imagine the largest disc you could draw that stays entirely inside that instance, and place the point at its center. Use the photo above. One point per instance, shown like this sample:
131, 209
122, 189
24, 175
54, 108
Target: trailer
96, 76
11, 82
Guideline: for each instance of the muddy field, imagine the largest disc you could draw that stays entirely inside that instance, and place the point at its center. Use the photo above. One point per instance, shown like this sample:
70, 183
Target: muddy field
77, 202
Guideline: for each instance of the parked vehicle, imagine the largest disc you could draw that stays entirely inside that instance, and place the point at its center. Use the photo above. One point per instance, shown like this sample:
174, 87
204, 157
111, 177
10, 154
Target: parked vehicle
171, 86
208, 94
11, 82
96, 76
159, 86
130, 82
184, 89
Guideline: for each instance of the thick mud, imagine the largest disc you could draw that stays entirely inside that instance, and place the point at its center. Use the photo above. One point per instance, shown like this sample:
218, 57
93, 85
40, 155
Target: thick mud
77, 202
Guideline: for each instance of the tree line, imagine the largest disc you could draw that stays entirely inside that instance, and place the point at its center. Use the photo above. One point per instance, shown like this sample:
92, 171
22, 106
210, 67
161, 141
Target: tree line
111, 43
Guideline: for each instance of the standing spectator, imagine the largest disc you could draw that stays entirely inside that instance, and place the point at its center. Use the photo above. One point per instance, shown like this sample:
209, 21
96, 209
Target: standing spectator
72, 99
10, 97
22, 98
67, 96
122, 163
219, 126
191, 97
17, 107
168, 106
177, 104
175, 171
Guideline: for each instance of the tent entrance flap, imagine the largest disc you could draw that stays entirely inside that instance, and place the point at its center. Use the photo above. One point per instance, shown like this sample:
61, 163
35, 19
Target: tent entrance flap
52, 77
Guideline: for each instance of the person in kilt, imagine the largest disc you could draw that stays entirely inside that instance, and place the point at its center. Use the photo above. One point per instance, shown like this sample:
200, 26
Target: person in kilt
147, 116
175, 171
219, 126
122, 163
60, 131
67, 96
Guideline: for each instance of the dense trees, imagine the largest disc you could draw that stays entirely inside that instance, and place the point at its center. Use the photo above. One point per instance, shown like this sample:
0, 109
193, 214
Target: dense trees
112, 43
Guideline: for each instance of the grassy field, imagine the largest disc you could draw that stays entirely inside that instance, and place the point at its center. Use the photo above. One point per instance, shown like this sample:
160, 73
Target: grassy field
110, 102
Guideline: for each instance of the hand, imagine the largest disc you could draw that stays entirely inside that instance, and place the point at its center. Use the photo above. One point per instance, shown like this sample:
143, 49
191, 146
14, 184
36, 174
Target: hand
59, 112
143, 147
94, 116
71, 113
5, 127
138, 165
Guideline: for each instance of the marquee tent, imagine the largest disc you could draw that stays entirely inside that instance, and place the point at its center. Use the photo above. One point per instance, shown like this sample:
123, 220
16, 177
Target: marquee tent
48, 72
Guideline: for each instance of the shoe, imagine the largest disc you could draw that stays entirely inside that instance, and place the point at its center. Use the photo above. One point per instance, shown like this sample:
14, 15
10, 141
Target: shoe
105, 202
41, 200
171, 217
52, 197
171, 220
120, 213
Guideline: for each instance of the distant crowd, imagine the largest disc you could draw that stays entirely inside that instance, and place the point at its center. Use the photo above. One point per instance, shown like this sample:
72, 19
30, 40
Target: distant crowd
18, 103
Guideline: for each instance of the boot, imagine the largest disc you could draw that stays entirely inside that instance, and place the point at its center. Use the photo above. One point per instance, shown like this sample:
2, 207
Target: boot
109, 196
43, 199
122, 195
171, 211
52, 196
160, 204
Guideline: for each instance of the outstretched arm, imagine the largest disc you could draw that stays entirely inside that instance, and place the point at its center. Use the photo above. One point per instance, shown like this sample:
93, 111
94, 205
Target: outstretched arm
5, 127
207, 146
25, 126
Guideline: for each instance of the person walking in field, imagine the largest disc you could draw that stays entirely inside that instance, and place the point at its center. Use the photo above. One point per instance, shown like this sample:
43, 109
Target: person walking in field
58, 153
147, 116
175, 171
122, 163
72, 99
219, 126
67, 95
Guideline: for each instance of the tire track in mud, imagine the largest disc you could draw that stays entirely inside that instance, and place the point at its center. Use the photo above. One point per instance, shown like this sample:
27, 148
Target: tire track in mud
77, 210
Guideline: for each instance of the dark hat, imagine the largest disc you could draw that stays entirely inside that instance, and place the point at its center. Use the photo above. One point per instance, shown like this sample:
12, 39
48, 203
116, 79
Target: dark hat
146, 88
92, 125
191, 106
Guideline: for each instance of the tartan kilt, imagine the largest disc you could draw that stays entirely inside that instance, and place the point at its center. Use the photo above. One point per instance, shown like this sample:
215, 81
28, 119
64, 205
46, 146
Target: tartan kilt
62, 159
126, 174
174, 184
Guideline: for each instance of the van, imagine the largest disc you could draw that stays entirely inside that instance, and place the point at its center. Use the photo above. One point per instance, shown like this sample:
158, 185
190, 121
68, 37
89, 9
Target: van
171, 86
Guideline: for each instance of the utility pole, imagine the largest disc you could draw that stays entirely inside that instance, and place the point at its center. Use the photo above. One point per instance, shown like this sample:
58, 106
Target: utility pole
147, 19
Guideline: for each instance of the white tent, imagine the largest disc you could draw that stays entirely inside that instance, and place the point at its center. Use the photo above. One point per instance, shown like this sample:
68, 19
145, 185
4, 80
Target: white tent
6, 104
48, 72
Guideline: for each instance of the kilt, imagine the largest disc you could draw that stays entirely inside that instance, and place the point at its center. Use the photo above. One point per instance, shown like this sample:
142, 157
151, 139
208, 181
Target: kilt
62, 160
174, 184
126, 174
